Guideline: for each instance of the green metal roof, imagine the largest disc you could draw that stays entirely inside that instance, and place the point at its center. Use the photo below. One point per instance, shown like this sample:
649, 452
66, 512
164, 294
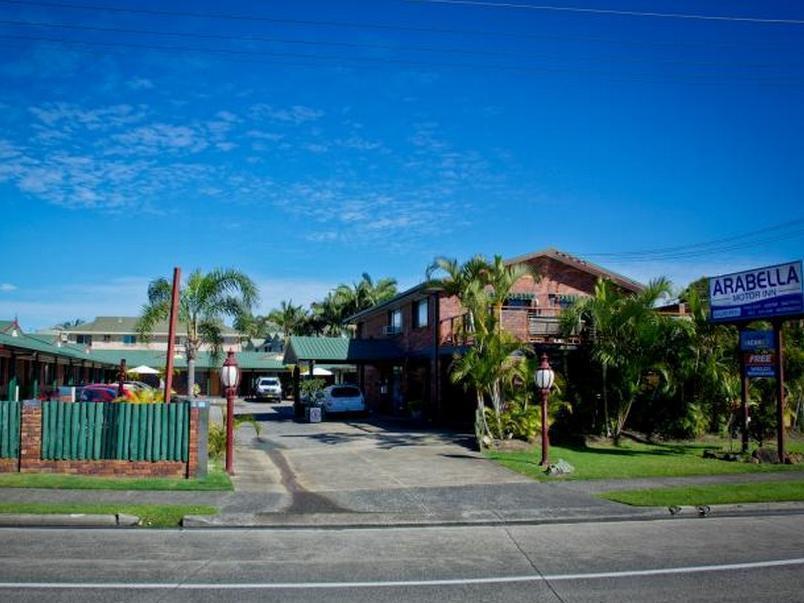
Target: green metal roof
44, 345
339, 350
127, 325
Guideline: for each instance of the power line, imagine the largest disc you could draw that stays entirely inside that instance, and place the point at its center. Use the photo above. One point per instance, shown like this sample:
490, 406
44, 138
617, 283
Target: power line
704, 78
617, 12
749, 240
358, 45
783, 225
379, 26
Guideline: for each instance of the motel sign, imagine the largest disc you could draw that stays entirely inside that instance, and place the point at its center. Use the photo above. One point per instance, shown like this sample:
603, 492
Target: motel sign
770, 292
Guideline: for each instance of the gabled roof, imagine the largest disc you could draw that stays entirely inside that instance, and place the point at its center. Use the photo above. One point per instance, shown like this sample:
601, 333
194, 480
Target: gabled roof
126, 325
337, 350
12, 336
417, 290
550, 252
580, 264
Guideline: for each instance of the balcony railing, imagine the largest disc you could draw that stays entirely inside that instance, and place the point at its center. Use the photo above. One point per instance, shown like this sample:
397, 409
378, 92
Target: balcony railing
533, 325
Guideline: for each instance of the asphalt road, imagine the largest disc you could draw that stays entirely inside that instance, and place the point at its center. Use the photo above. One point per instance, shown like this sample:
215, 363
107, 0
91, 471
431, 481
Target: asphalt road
711, 559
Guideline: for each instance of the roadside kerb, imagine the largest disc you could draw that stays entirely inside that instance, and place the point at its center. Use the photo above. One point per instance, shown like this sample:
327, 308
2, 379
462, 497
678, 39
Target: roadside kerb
68, 520
340, 521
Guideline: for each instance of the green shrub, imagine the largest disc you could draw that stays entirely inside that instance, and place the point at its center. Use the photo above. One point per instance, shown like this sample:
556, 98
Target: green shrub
309, 387
216, 441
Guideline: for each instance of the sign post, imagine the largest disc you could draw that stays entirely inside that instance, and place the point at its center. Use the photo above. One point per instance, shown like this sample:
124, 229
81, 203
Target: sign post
774, 293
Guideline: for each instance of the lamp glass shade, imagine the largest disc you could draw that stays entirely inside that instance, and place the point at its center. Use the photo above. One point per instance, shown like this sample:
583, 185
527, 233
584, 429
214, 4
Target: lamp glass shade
229, 376
544, 378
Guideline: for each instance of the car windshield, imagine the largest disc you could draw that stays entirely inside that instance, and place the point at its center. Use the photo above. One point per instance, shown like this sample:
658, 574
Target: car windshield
269, 382
345, 392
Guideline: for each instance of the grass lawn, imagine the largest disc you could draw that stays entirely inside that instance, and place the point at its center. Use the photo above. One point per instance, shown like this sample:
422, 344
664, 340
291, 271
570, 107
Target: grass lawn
632, 459
151, 516
216, 479
717, 494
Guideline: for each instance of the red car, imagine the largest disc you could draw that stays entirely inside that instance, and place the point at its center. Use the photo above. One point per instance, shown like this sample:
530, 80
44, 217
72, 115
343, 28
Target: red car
101, 392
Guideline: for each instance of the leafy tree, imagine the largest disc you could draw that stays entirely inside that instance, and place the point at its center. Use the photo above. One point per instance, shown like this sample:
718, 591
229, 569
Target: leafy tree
625, 333
482, 287
290, 318
204, 301
70, 324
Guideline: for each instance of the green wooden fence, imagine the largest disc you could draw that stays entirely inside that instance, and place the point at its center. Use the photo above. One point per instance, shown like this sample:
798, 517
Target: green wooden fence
9, 430
115, 430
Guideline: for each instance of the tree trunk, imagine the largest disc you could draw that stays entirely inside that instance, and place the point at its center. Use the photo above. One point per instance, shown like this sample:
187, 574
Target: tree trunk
190, 348
481, 408
496, 402
606, 401
191, 377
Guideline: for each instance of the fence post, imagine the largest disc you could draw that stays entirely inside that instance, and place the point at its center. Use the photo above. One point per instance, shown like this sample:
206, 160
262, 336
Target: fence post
30, 434
197, 455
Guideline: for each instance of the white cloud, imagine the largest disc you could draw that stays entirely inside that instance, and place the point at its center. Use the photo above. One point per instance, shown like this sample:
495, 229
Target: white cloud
159, 137
72, 116
6, 287
297, 114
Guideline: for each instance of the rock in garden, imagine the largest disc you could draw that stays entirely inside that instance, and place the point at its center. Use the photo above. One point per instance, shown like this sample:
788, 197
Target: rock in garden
559, 469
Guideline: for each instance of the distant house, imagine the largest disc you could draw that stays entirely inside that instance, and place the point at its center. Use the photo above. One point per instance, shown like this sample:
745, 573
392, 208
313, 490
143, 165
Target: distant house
424, 327
120, 333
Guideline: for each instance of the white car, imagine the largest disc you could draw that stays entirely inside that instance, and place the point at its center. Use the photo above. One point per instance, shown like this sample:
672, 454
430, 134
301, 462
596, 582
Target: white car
268, 388
341, 398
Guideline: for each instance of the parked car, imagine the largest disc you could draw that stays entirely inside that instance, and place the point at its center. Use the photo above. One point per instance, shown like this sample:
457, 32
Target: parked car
101, 392
268, 388
341, 399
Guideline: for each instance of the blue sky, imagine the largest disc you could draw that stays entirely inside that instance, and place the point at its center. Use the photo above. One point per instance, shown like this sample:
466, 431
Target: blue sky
307, 142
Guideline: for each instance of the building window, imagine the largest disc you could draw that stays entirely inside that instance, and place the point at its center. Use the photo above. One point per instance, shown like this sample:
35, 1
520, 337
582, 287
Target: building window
107, 338
394, 321
83, 339
421, 313
129, 339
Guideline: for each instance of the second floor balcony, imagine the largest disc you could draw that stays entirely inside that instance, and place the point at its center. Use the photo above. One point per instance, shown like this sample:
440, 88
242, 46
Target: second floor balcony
531, 325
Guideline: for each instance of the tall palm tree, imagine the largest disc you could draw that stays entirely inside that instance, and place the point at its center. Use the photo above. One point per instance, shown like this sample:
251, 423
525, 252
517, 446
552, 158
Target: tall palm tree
482, 288
204, 301
290, 318
363, 294
624, 331
465, 281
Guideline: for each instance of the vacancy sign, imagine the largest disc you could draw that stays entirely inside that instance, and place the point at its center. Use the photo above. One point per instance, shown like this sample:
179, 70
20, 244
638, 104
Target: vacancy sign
769, 292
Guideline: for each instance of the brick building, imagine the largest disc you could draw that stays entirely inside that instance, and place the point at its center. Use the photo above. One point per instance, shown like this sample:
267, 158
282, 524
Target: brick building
425, 327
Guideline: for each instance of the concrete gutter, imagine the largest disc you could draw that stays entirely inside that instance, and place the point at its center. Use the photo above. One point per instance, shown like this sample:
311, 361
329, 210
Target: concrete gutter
475, 518
71, 520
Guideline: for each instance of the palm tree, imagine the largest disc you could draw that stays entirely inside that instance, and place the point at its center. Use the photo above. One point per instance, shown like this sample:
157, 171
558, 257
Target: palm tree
625, 334
70, 324
466, 282
482, 288
204, 301
290, 318
363, 294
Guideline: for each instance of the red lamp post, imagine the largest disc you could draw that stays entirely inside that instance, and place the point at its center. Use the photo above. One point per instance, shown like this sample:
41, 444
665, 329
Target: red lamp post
544, 378
229, 379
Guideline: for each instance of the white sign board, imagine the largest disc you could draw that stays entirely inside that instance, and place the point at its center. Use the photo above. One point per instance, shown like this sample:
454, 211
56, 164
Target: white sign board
762, 293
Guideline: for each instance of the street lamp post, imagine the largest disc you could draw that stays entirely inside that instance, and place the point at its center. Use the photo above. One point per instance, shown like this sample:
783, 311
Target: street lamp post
229, 379
544, 378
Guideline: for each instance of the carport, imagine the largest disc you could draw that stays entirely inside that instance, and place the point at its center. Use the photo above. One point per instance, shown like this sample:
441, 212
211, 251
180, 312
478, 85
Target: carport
337, 351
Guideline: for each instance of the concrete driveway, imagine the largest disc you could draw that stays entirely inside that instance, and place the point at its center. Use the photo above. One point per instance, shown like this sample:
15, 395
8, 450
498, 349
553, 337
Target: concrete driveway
382, 466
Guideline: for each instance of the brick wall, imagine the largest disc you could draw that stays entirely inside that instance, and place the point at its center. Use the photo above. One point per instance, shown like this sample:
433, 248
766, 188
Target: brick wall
31, 461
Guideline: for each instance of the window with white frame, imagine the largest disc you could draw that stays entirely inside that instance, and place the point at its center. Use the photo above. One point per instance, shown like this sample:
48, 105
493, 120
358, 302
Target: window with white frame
395, 321
421, 313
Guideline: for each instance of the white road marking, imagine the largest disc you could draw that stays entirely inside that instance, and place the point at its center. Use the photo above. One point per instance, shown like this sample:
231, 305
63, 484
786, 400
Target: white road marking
400, 583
